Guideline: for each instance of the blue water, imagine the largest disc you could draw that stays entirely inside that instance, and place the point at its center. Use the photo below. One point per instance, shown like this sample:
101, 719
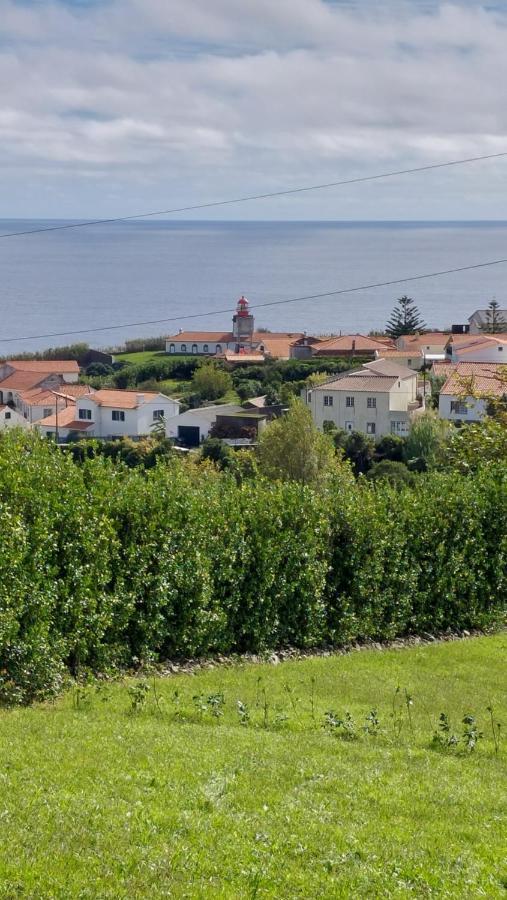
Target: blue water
90, 278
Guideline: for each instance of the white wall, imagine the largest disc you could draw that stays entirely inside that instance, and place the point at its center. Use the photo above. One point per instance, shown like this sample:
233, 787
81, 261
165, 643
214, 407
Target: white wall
474, 412
199, 345
10, 418
360, 416
488, 353
137, 422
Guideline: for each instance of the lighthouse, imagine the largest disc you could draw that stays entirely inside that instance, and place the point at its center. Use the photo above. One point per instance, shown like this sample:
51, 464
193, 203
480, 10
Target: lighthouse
243, 322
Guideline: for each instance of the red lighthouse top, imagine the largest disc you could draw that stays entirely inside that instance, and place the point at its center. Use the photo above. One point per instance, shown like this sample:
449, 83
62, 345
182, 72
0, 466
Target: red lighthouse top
242, 307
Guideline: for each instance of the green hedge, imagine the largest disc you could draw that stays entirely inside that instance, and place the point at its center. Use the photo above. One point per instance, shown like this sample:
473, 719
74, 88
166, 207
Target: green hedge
101, 565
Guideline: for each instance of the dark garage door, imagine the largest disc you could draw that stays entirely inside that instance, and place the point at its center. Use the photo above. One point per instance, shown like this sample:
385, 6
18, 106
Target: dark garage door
190, 435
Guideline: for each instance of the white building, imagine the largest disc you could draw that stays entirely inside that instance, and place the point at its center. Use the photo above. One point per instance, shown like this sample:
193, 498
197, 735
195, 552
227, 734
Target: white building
194, 425
111, 414
243, 338
10, 418
469, 386
485, 348
378, 399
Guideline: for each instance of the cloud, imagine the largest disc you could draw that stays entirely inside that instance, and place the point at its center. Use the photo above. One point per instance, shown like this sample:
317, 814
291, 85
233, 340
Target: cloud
209, 97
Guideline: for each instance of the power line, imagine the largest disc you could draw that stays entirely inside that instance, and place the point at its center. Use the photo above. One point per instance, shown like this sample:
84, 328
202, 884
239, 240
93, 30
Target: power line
214, 312
296, 190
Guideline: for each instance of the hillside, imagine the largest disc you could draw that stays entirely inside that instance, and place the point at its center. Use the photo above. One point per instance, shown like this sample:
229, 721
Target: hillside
226, 784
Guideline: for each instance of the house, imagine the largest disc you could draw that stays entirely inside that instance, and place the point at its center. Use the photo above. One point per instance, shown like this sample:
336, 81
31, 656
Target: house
468, 388
21, 380
193, 426
486, 348
352, 345
243, 339
10, 418
479, 319
67, 370
39, 402
379, 398
111, 414
411, 358
431, 344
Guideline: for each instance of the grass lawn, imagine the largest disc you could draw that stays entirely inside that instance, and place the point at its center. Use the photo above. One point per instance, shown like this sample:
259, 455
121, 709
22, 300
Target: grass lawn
140, 356
173, 800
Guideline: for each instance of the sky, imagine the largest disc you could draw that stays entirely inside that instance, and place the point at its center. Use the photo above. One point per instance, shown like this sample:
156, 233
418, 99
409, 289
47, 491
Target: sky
113, 107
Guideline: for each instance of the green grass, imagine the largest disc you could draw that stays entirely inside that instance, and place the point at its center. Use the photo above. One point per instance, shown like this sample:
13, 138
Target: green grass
98, 802
140, 356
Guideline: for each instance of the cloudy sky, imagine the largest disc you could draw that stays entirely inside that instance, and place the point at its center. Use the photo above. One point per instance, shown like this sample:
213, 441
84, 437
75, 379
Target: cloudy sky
113, 107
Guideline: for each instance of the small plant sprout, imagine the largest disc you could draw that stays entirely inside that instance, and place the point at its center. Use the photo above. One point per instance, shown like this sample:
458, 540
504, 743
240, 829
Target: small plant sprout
81, 697
243, 713
312, 697
443, 736
371, 724
293, 700
346, 726
496, 727
215, 703
471, 733
138, 693
409, 702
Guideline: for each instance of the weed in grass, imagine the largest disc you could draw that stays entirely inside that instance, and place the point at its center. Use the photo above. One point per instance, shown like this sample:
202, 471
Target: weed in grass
471, 733
243, 713
496, 727
345, 727
215, 703
443, 737
81, 696
138, 694
371, 723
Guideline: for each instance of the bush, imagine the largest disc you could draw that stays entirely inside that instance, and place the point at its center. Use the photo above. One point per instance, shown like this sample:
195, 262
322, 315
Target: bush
211, 382
103, 564
396, 473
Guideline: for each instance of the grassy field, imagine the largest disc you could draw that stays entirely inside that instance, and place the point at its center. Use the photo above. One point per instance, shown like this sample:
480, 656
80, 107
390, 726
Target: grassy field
140, 356
171, 788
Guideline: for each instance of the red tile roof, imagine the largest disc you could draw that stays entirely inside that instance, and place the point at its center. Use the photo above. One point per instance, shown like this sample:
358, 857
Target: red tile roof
202, 337
64, 366
122, 399
22, 381
350, 343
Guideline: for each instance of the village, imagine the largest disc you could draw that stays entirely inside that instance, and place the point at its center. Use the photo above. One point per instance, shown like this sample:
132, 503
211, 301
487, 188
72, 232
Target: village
387, 384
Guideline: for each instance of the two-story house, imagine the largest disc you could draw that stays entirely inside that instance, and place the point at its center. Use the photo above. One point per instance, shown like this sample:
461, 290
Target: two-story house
110, 414
378, 399
469, 388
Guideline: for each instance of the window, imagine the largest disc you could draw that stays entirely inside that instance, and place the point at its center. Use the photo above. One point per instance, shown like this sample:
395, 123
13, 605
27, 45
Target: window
158, 414
85, 414
118, 415
349, 426
500, 348
458, 406
349, 401
7, 415
371, 402
183, 348
399, 428
370, 428
328, 400
46, 411
171, 348
219, 348
194, 348
205, 348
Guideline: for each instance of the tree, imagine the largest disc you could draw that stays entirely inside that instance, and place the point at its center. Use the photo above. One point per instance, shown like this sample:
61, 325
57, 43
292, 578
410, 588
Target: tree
390, 447
495, 322
405, 318
425, 442
396, 473
292, 448
210, 382
359, 449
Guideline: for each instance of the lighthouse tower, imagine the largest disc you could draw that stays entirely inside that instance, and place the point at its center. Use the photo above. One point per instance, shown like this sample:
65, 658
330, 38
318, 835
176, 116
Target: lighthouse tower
243, 322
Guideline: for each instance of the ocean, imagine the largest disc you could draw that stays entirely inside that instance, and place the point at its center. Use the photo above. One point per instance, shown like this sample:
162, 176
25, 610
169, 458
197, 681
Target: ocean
117, 274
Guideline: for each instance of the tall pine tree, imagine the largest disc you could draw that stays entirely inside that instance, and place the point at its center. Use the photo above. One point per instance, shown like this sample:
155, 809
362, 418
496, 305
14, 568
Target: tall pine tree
405, 318
495, 322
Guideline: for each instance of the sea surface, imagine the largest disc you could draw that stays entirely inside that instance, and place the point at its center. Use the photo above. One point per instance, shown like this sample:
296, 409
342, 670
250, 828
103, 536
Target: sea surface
87, 279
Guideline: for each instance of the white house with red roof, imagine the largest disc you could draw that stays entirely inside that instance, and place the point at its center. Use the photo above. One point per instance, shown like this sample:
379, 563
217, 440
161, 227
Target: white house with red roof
468, 389
110, 414
29, 385
485, 348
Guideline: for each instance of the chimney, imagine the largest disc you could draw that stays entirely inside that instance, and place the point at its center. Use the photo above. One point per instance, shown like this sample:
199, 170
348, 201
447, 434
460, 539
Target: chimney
353, 345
